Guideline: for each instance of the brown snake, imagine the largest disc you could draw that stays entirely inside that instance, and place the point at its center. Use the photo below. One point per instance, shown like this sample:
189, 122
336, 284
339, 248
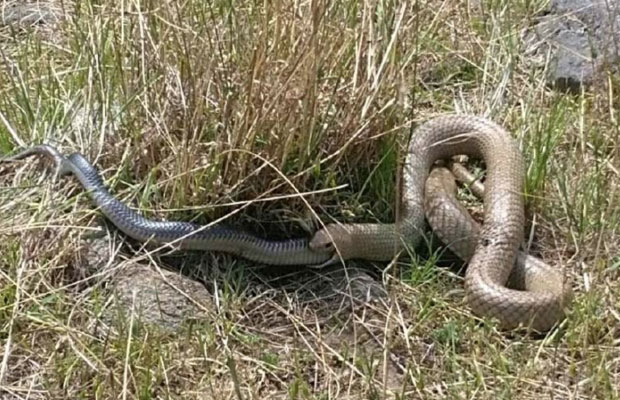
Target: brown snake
494, 249
546, 285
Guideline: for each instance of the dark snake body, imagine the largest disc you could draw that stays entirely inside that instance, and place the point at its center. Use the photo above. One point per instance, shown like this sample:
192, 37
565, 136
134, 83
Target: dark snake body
181, 235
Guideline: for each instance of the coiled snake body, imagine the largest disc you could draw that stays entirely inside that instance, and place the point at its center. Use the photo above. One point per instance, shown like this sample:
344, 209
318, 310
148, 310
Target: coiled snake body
496, 244
534, 290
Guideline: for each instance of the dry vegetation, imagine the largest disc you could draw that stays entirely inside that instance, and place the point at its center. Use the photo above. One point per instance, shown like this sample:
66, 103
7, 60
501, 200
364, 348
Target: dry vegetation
193, 110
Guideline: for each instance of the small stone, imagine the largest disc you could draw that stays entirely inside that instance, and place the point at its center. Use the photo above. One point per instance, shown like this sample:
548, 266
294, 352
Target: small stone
582, 37
166, 299
571, 66
358, 285
162, 298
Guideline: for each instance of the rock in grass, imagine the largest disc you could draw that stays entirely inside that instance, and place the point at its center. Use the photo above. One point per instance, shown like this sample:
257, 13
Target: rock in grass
162, 298
583, 38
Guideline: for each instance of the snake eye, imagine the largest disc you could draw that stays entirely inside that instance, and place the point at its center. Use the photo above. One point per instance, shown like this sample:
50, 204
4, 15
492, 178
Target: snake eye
322, 243
327, 246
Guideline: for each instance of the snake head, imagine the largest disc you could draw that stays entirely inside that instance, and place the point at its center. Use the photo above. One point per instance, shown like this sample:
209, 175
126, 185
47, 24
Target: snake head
336, 239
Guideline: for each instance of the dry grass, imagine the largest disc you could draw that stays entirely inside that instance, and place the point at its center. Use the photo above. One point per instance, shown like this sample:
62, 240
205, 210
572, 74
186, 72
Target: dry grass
192, 109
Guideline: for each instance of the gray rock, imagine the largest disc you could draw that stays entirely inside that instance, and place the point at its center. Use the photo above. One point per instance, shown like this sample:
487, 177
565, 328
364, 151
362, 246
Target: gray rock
355, 284
166, 299
583, 37
362, 287
571, 67
161, 298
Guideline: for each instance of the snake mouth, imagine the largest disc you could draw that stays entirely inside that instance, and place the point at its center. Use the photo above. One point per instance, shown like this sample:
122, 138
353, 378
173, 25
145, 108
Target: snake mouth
334, 259
322, 246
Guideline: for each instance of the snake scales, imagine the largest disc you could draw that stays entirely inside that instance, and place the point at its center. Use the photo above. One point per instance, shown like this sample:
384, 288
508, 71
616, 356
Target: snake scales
536, 290
495, 244
491, 250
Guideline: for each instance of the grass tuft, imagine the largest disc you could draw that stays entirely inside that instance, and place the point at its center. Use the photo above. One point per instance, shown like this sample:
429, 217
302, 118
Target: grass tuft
199, 110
